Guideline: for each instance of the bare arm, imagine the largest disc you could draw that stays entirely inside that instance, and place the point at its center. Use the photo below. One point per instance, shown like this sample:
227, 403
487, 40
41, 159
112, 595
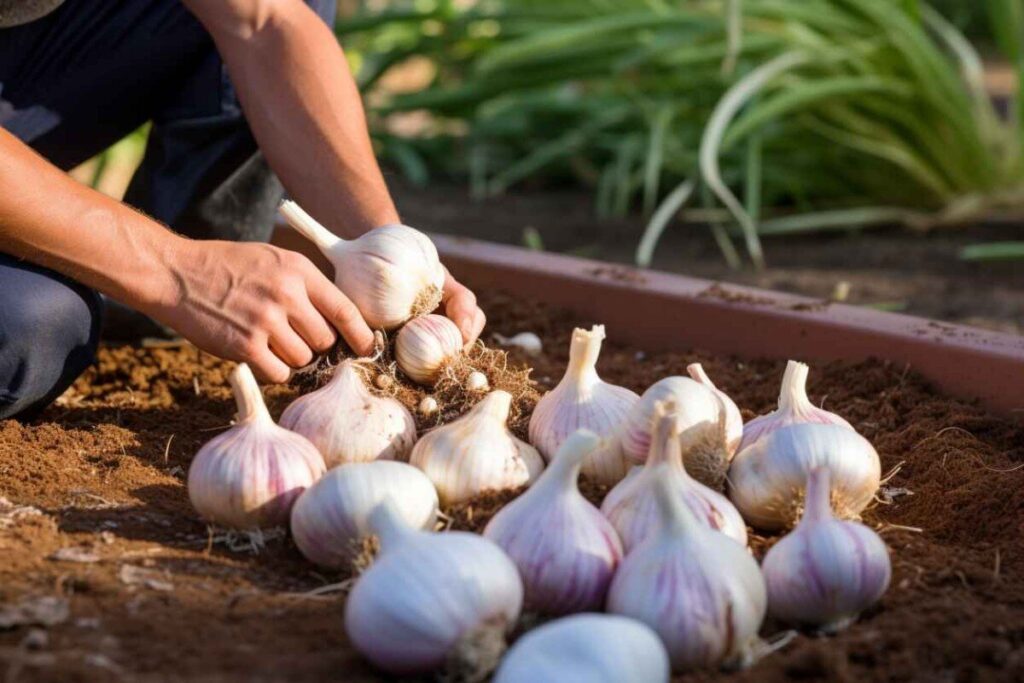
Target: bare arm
304, 109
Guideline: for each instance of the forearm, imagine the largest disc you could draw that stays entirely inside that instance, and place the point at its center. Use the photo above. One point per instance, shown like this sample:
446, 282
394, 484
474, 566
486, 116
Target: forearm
49, 219
303, 107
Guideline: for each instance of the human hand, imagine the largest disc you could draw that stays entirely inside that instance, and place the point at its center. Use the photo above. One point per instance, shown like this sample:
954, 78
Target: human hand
256, 303
459, 304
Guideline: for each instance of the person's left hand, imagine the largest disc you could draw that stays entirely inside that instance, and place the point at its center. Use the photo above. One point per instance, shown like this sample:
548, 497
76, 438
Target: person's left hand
459, 304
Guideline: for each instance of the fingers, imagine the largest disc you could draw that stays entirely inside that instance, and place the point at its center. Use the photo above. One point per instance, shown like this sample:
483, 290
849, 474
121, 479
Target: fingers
341, 313
289, 346
268, 367
479, 320
460, 306
311, 326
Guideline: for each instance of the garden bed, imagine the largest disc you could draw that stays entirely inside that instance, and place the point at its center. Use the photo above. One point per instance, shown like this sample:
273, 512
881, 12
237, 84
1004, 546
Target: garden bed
151, 595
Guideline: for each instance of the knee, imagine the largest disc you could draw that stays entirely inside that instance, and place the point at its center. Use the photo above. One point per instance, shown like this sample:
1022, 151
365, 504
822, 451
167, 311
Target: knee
49, 330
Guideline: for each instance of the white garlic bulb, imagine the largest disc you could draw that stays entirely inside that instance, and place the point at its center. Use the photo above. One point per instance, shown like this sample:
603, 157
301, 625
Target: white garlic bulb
733, 417
794, 408
702, 416
249, 476
528, 342
391, 273
428, 406
565, 550
632, 507
826, 571
477, 382
477, 453
330, 519
587, 648
348, 423
766, 479
701, 591
426, 594
425, 344
583, 400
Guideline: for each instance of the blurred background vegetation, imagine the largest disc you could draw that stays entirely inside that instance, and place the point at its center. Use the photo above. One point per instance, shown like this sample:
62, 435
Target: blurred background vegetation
755, 116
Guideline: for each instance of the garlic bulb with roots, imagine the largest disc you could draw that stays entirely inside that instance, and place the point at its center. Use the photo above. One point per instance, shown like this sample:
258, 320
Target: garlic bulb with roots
733, 417
477, 453
701, 591
391, 273
766, 479
702, 417
348, 423
826, 571
431, 598
583, 400
632, 505
250, 476
565, 550
794, 408
330, 520
425, 344
587, 648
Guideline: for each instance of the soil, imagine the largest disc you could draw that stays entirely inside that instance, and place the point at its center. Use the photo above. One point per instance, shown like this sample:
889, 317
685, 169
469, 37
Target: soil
892, 268
107, 574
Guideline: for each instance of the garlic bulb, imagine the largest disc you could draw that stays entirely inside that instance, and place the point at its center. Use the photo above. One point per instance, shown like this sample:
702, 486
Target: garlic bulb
249, 476
583, 400
632, 506
826, 571
427, 594
330, 519
566, 551
528, 342
477, 382
702, 416
794, 408
477, 453
428, 406
587, 648
425, 344
347, 423
766, 480
698, 589
391, 273
733, 417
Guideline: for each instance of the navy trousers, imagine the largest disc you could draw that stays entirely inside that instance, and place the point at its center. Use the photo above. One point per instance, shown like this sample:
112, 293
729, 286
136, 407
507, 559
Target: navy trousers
72, 84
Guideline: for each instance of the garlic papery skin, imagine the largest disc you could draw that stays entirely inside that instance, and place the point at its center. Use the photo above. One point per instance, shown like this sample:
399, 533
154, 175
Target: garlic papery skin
331, 518
766, 479
391, 273
701, 416
587, 648
425, 344
477, 453
581, 400
427, 594
249, 476
733, 417
700, 591
794, 408
565, 550
348, 423
632, 507
826, 571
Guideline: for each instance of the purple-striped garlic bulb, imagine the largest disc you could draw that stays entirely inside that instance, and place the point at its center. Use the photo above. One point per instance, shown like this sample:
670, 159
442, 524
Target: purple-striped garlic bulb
250, 476
632, 507
701, 591
794, 408
826, 571
583, 401
702, 417
425, 345
331, 518
767, 479
565, 550
733, 417
348, 423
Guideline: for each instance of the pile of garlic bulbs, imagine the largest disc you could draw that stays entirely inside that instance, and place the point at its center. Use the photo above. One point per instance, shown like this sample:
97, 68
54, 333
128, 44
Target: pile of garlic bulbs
664, 553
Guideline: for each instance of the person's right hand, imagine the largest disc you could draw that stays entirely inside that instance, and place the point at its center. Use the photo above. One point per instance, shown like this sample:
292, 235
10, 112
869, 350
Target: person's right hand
269, 307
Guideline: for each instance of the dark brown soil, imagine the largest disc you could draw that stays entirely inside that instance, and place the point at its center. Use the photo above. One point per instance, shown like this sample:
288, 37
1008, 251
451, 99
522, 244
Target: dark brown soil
893, 269
95, 517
